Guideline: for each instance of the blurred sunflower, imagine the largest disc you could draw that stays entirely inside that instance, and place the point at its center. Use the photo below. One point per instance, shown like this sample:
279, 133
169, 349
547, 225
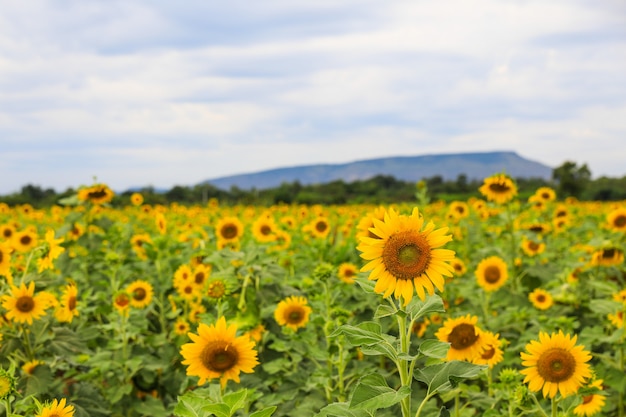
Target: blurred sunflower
292, 312
23, 305
592, 403
347, 272
200, 275
532, 248
181, 327
491, 273
545, 194
53, 251
458, 209
96, 194
491, 353
136, 199
608, 256
161, 222
57, 409
67, 310
121, 302
617, 319
138, 243
217, 352
216, 289
318, 227
406, 256
25, 240
420, 326
499, 188
616, 219
5, 258
229, 229
464, 337
140, 292
367, 222
7, 231
541, 299
30, 366
264, 229
459, 267
555, 364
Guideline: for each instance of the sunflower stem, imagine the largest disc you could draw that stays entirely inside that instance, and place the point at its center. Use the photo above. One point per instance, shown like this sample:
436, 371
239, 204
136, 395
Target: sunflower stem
539, 407
622, 360
7, 405
402, 364
554, 407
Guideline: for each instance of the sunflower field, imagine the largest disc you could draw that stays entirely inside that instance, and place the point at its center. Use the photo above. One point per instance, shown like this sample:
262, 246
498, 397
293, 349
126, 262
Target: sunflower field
494, 306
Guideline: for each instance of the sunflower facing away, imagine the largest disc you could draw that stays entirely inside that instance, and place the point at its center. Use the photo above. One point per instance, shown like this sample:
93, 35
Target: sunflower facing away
406, 256
555, 364
491, 273
292, 312
464, 337
217, 352
23, 305
57, 409
499, 188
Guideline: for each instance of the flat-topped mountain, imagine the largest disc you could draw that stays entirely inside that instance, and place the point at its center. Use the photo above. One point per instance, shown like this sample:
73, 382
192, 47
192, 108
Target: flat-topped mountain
476, 165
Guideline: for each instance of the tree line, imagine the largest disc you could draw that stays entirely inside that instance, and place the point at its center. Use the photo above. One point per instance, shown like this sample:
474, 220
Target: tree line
568, 180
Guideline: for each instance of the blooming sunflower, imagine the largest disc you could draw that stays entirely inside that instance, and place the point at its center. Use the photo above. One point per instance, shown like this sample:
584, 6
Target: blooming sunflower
96, 194
347, 272
121, 302
592, 403
136, 199
54, 250
541, 299
545, 194
229, 229
5, 258
464, 337
607, 257
532, 248
200, 275
29, 367
491, 353
459, 267
57, 409
318, 227
23, 305
160, 222
491, 273
264, 229
67, 310
7, 231
181, 327
616, 219
555, 364
140, 293
406, 256
458, 209
25, 240
216, 352
216, 288
499, 188
367, 222
292, 312
616, 319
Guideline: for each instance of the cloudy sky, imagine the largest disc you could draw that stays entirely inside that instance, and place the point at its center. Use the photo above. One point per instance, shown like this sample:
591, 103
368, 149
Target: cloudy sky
163, 93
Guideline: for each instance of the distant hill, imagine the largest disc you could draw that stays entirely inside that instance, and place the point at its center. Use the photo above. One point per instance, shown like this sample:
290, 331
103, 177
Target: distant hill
476, 165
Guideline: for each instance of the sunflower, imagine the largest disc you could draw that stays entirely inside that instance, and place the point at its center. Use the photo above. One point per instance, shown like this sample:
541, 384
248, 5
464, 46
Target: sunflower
420, 326
264, 229
76, 231
620, 296
138, 243
54, 250
96, 194
541, 299
140, 293
458, 209
22, 305
406, 256
292, 312
499, 188
200, 275
161, 222
458, 266
181, 327
216, 289
229, 229
121, 302
57, 409
318, 227
616, 319
25, 240
532, 248
545, 194
216, 352
347, 272
5, 258
491, 273
29, 367
67, 310
136, 199
367, 222
608, 256
7, 231
555, 364
592, 403
282, 241
7, 384
491, 353
616, 219
465, 338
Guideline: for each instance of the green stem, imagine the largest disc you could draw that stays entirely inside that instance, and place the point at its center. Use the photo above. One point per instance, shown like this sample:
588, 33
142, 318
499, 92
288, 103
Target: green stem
539, 407
554, 407
457, 404
241, 306
7, 405
622, 360
402, 364
422, 404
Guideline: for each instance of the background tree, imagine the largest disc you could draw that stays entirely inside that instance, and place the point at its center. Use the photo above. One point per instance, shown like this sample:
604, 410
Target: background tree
571, 179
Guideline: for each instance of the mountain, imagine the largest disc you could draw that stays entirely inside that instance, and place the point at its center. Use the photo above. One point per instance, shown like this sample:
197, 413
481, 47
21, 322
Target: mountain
477, 165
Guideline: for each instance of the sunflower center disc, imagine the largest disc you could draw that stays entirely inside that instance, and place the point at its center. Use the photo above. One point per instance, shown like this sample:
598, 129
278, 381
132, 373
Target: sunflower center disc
462, 336
492, 274
499, 188
71, 303
229, 231
556, 365
406, 255
25, 304
139, 294
294, 316
620, 221
219, 356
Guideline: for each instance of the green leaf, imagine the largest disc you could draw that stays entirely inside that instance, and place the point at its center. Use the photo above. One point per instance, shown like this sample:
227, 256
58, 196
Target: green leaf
444, 376
434, 348
383, 310
604, 306
276, 366
381, 349
341, 410
372, 393
235, 400
418, 308
366, 333
189, 406
219, 409
266, 412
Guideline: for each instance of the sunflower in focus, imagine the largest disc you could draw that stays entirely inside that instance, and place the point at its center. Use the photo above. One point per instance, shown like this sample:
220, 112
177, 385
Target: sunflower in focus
292, 312
140, 292
464, 336
347, 272
616, 219
23, 305
96, 194
57, 409
491, 273
499, 188
591, 403
555, 364
217, 352
541, 299
406, 256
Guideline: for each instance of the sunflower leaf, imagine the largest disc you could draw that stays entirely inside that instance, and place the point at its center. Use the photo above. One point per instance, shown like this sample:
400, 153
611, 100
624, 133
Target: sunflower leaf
434, 348
445, 376
418, 308
383, 310
235, 400
266, 412
372, 393
341, 410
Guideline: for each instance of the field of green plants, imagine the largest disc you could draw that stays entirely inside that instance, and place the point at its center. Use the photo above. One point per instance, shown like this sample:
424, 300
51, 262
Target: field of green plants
494, 306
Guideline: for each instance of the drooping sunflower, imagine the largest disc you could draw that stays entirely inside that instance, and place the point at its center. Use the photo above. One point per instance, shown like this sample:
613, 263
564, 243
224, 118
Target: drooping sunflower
616, 219
67, 309
96, 194
217, 352
347, 272
464, 337
555, 364
57, 409
541, 299
491, 273
292, 312
141, 293
229, 229
406, 256
491, 353
23, 305
592, 403
499, 188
